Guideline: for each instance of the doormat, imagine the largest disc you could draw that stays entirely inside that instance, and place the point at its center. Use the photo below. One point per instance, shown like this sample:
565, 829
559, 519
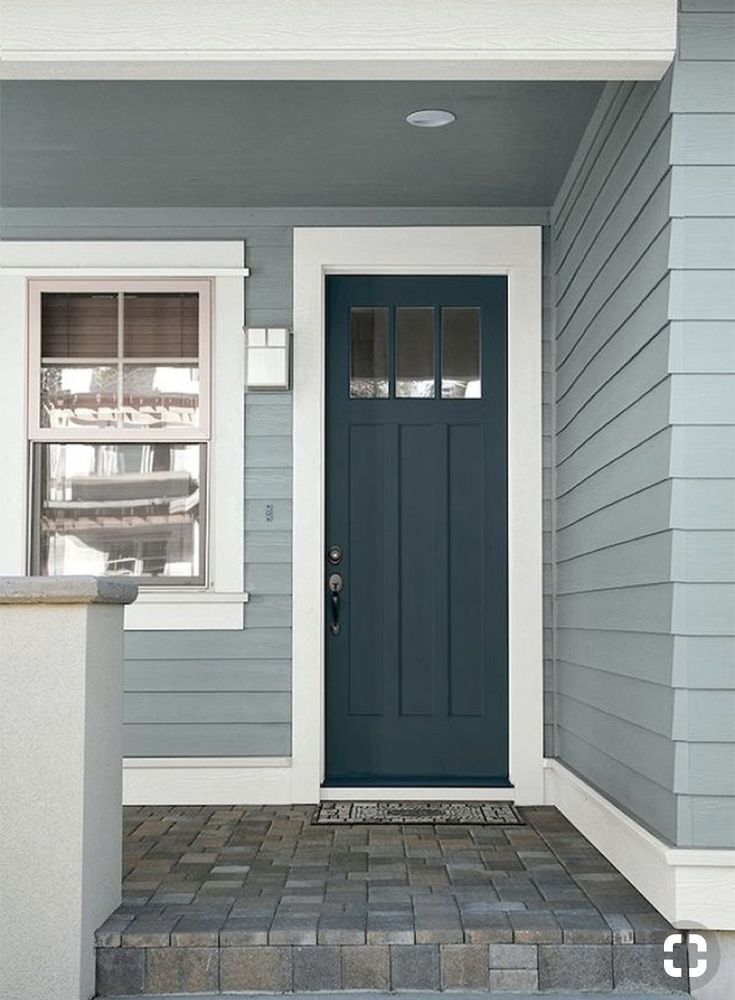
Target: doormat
435, 813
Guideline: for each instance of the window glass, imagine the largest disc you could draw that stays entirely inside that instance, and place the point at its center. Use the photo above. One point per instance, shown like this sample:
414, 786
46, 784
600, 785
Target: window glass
369, 353
79, 396
461, 353
415, 352
161, 325
78, 325
120, 510
155, 396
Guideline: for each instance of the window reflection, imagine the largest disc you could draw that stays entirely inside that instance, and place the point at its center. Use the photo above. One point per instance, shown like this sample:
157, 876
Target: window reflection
120, 509
415, 352
160, 396
78, 396
369, 353
461, 353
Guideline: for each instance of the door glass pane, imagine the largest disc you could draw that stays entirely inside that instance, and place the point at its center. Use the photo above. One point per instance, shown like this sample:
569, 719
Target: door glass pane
75, 325
415, 352
161, 325
369, 353
156, 396
78, 396
461, 353
120, 510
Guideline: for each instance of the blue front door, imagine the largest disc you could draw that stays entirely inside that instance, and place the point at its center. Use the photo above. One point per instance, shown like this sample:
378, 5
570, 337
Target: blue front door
416, 561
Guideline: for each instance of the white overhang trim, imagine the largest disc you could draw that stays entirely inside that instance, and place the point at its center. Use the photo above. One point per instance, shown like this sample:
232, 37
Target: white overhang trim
317, 39
128, 272
690, 887
219, 605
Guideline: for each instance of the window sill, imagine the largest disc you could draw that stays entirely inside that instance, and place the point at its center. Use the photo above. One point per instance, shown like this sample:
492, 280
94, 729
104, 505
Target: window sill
185, 610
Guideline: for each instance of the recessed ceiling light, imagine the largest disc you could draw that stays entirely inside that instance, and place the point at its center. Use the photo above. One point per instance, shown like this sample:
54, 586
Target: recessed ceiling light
430, 118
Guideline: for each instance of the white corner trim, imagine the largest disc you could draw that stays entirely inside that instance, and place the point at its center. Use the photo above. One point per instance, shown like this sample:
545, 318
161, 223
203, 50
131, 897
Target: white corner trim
511, 250
221, 606
690, 887
206, 780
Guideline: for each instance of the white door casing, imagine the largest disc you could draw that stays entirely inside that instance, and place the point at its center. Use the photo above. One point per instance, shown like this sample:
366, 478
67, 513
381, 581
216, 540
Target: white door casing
515, 252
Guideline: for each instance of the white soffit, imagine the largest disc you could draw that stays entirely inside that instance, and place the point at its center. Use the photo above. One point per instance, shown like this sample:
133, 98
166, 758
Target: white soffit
321, 40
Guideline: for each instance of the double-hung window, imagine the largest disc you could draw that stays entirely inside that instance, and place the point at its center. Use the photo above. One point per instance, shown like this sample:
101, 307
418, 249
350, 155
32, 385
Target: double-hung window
119, 428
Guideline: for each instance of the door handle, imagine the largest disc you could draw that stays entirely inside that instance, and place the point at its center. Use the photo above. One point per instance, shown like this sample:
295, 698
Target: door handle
335, 584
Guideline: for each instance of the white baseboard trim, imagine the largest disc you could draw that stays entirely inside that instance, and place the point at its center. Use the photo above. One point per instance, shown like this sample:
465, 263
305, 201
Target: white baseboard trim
184, 781
690, 887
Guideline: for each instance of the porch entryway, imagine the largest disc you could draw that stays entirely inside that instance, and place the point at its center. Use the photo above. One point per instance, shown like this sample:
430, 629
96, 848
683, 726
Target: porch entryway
256, 898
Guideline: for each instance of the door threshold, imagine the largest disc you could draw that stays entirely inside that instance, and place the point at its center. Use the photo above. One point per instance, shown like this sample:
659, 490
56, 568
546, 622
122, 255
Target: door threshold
408, 793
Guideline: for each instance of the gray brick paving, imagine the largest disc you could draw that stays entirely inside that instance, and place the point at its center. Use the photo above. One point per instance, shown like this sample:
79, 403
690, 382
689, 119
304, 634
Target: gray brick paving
257, 899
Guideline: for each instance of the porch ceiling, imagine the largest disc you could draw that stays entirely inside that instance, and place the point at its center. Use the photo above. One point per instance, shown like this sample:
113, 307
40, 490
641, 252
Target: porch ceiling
285, 143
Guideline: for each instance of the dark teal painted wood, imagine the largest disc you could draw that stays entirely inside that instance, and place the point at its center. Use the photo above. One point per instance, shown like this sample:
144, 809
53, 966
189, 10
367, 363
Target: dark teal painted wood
416, 496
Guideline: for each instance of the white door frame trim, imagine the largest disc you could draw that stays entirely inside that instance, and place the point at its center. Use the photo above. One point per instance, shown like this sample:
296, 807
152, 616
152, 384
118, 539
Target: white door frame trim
510, 250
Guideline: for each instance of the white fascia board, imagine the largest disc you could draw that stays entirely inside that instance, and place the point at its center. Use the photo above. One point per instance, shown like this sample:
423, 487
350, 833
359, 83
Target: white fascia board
320, 40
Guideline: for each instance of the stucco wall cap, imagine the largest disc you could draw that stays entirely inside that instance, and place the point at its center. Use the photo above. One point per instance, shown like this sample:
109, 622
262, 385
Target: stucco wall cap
66, 590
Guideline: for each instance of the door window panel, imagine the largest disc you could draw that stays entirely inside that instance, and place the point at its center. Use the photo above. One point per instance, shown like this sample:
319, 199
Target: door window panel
461, 353
369, 353
415, 352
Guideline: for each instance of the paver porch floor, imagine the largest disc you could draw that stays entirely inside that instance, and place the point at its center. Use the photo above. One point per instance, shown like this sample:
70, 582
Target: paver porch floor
257, 898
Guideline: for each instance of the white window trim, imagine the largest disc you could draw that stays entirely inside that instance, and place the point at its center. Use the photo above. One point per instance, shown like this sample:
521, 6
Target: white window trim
515, 252
220, 604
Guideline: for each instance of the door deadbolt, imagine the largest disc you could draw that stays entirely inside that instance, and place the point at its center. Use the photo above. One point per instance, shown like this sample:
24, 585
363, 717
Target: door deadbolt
334, 555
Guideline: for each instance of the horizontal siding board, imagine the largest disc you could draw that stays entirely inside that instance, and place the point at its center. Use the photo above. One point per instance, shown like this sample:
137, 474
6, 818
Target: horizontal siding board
207, 740
633, 220
203, 707
609, 148
644, 560
706, 821
257, 512
644, 656
260, 644
626, 787
707, 139
702, 295
268, 578
644, 752
638, 376
208, 675
704, 557
623, 300
633, 517
703, 243
704, 716
705, 768
702, 504
703, 399
265, 546
640, 703
704, 662
707, 35
703, 452
275, 420
631, 609
644, 465
643, 418
650, 315
703, 191
704, 609
702, 346
268, 452
267, 611
703, 86
270, 484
